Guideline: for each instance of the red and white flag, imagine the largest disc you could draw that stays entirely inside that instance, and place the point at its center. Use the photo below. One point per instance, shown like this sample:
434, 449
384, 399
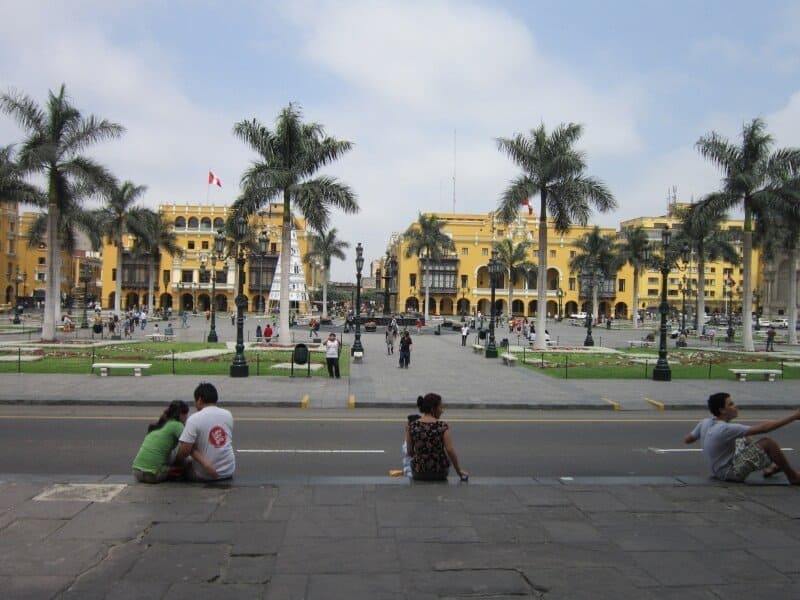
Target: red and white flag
527, 202
213, 179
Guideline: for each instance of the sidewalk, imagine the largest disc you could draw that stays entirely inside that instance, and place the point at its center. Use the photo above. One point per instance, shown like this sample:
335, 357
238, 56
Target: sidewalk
438, 363
649, 538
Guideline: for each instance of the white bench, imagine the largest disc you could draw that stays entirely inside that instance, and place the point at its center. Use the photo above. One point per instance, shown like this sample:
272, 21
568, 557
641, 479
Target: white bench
477, 348
639, 343
155, 337
509, 359
769, 374
137, 367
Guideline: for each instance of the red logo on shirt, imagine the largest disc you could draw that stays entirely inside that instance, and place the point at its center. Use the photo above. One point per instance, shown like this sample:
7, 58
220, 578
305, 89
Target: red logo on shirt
217, 437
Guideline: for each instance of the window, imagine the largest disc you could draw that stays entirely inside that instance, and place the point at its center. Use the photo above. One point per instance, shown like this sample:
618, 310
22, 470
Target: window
572, 253
113, 274
464, 280
711, 294
204, 245
484, 252
713, 269
191, 245
40, 260
186, 276
219, 223
652, 281
465, 251
165, 276
652, 292
180, 223
205, 223
552, 253
193, 223
672, 292
273, 247
11, 226
501, 232
41, 277
572, 284
621, 285
673, 281
12, 246
709, 282
412, 279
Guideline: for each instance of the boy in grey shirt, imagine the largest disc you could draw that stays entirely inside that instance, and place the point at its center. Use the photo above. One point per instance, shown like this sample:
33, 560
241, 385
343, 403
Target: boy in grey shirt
728, 449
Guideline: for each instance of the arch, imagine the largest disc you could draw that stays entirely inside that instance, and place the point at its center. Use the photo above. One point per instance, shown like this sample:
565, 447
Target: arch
258, 303
193, 223
621, 311
463, 306
187, 302
482, 277
9, 292
165, 301
204, 302
532, 307
431, 305
131, 301
483, 306
553, 277
205, 224
446, 306
552, 308
585, 306
518, 308
180, 223
412, 304
570, 308
222, 303
531, 279
500, 307
604, 308
112, 299
219, 223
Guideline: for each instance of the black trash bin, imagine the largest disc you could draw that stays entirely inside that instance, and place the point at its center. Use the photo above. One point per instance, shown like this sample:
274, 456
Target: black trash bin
300, 354
481, 334
504, 343
438, 330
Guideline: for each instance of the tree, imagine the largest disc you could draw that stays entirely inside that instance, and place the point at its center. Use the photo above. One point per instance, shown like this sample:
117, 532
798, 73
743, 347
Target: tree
554, 169
56, 137
118, 217
754, 178
514, 258
289, 157
631, 250
13, 187
154, 234
595, 254
324, 246
427, 240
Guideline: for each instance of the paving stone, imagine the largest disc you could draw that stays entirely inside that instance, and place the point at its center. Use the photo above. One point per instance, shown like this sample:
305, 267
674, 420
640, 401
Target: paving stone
286, 587
49, 510
432, 534
186, 562
339, 556
512, 529
425, 556
642, 499
14, 493
595, 583
767, 536
137, 590
33, 587
556, 513
595, 501
217, 591
171, 493
247, 504
376, 586
258, 537
713, 536
787, 505
337, 495
540, 495
249, 569
421, 514
646, 538
55, 557
100, 578
196, 533
684, 593
782, 559
764, 591
294, 495
27, 531
331, 522
108, 522
705, 568
469, 583
572, 532
508, 505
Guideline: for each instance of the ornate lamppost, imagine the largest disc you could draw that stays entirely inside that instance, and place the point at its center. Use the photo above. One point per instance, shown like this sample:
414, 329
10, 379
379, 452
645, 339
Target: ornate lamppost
181, 307
757, 298
195, 285
387, 279
263, 246
17, 281
357, 347
683, 289
560, 296
85, 278
239, 367
217, 254
587, 283
494, 270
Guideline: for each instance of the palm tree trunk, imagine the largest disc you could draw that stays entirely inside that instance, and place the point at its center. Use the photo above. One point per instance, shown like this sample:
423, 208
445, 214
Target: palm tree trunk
541, 276
595, 307
426, 274
48, 321
791, 301
325, 294
635, 298
286, 254
747, 317
118, 283
57, 284
510, 297
150, 281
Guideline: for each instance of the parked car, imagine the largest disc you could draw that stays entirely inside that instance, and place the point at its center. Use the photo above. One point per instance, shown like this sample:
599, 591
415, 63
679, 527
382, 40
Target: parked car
780, 323
580, 316
764, 322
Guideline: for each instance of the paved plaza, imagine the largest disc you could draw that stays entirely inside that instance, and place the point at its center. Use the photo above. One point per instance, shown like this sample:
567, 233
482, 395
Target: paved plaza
352, 538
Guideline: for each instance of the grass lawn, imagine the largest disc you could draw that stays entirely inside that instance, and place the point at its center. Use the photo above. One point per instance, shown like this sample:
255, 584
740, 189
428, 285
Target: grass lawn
639, 364
64, 359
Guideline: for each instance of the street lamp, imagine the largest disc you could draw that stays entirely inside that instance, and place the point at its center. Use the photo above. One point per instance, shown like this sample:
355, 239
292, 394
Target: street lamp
219, 249
357, 347
757, 298
683, 289
494, 270
239, 367
195, 285
263, 246
179, 285
17, 281
387, 278
588, 274
560, 296
85, 277
729, 283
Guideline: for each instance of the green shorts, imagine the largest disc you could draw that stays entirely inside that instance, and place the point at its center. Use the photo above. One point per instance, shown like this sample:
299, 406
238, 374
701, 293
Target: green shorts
747, 458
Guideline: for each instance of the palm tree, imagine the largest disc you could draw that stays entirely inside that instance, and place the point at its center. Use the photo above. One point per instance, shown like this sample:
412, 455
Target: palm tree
118, 217
155, 234
514, 258
754, 178
289, 157
56, 136
631, 250
700, 229
13, 188
324, 246
427, 240
554, 169
596, 254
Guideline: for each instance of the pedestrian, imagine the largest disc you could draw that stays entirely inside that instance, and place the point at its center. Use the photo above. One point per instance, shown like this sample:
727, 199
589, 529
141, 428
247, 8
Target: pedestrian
771, 339
259, 334
430, 444
389, 340
209, 430
233, 318
332, 349
405, 350
464, 334
185, 319
729, 451
267, 332
143, 319
419, 326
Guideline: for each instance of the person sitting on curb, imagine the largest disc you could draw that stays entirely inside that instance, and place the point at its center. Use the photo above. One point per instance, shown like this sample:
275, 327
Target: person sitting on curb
730, 452
430, 444
209, 430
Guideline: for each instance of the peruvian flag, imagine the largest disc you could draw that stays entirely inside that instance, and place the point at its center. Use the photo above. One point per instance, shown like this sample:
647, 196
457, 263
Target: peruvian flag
213, 179
527, 202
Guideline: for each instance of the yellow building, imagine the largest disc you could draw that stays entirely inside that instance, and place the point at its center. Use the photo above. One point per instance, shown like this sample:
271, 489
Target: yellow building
9, 246
460, 282
184, 282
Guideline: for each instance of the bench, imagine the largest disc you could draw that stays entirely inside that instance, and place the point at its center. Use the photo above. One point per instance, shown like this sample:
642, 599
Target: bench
639, 343
769, 374
509, 359
137, 367
477, 348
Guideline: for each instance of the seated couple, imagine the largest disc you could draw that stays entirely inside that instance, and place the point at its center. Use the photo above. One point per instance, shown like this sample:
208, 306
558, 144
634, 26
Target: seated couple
197, 447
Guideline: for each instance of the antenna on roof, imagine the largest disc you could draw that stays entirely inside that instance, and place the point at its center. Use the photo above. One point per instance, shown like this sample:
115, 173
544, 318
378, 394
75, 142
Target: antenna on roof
454, 170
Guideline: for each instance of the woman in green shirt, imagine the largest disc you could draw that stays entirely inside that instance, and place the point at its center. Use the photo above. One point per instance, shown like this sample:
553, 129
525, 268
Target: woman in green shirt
153, 462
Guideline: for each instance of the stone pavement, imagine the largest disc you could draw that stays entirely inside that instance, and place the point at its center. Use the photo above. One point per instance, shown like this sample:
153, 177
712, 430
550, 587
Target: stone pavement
651, 538
438, 363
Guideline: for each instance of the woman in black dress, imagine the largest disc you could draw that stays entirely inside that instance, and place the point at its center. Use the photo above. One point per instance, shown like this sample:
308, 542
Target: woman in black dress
430, 444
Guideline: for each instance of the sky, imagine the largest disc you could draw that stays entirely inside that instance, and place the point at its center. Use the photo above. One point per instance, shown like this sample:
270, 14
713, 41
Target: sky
422, 89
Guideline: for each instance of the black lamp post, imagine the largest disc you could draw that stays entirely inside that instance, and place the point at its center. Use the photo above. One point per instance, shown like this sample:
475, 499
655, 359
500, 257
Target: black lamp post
588, 276
494, 271
239, 367
85, 277
387, 278
757, 298
560, 296
683, 289
17, 281
263, 246
181, 307
195, 285
217, 254
729, 333
357, 347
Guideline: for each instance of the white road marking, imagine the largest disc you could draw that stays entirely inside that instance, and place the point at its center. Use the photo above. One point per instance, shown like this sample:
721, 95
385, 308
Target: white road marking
307, 451
672, 450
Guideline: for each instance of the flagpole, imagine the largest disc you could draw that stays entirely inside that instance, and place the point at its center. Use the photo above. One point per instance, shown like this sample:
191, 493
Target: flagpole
208, 185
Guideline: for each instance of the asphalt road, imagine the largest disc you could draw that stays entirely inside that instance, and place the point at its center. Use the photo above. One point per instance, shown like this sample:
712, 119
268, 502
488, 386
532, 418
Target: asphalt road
284, 443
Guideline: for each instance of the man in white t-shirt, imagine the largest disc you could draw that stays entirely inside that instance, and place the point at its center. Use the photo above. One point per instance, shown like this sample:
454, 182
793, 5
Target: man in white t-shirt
332, 349
728, 449
210, 430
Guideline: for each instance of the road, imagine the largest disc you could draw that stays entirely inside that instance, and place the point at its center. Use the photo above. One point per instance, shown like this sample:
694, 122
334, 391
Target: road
274, 443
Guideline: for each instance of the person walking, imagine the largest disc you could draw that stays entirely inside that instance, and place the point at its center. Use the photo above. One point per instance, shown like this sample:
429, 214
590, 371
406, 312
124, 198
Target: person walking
464, 334
771, 339
405, 350
389, 340
332, 349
